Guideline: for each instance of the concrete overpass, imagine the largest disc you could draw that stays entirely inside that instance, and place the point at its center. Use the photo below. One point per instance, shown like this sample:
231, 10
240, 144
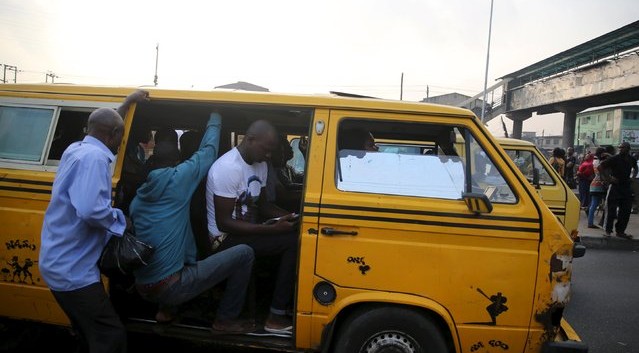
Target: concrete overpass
602, 71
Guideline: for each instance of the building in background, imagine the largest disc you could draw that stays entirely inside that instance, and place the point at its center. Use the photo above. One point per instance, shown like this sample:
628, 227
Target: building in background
547, 143
455, 99
607, 126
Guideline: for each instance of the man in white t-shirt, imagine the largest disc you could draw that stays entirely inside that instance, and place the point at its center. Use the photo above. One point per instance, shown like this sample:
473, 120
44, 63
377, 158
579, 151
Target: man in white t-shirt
237, 207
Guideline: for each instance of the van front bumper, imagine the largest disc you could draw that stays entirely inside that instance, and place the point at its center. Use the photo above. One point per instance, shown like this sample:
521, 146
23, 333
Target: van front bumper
567, 341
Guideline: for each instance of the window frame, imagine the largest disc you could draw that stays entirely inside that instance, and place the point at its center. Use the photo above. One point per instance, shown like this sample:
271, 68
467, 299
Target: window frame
59, 105
47, 140
468, 162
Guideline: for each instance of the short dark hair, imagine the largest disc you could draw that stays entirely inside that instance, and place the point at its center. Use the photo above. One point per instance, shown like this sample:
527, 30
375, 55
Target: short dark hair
165, 154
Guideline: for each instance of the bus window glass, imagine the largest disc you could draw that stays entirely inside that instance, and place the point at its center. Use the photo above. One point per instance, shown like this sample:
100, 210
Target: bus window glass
23, 132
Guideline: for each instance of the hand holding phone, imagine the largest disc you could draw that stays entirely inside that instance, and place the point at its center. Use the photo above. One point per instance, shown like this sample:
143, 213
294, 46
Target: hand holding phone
293, 217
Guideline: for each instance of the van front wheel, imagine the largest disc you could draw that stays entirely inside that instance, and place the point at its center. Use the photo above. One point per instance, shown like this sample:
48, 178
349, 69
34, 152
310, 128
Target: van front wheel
389, 330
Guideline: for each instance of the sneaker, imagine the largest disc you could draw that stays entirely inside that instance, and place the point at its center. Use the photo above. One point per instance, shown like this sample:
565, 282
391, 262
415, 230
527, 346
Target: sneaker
592, 226
278, 324
607, 235
233, 326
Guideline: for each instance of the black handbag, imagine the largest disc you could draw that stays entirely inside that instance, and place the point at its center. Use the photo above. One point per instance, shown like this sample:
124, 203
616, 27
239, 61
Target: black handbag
122, 255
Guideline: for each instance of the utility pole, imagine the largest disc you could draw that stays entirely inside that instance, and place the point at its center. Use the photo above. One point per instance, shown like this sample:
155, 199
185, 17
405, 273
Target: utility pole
490, 27
9, 68
401, 87
157, 54
50, 74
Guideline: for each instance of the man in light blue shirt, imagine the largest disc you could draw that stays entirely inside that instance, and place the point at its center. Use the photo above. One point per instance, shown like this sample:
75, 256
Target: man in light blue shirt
78, 223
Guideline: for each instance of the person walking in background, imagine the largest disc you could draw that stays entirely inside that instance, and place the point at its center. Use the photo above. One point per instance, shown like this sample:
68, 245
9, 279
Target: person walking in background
585, 175
618, 169
557, 161
597, 188
571, 164
635, 186
78, 223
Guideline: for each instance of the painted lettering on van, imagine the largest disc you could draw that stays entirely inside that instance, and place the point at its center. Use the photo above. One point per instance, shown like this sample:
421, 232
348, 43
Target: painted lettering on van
20, 244
363, 267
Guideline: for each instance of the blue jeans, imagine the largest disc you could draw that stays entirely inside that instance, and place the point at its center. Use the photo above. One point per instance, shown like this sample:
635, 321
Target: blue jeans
234, 264
595, 199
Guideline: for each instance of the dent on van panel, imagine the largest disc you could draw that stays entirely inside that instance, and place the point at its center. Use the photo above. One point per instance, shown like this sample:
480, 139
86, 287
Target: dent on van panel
559, 274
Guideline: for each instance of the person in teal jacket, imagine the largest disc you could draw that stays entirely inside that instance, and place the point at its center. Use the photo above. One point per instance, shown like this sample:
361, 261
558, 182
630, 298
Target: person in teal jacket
160, 215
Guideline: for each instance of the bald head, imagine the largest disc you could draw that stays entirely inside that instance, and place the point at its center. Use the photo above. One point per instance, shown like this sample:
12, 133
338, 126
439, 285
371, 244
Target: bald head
260, 140
261, 128
107, 126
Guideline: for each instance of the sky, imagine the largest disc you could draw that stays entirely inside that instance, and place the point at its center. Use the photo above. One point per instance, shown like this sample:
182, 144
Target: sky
301, 46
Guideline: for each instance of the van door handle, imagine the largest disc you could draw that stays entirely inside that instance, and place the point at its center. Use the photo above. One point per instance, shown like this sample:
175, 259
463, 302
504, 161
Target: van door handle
333, 231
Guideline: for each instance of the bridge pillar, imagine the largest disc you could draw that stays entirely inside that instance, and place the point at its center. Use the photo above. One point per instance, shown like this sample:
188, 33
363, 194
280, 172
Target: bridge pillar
570, 118
518, 122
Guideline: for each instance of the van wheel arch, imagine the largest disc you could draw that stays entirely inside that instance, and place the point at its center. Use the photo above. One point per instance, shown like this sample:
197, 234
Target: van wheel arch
381, 326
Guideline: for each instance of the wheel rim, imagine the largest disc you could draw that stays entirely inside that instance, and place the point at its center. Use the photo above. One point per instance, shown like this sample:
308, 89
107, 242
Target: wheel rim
390, 342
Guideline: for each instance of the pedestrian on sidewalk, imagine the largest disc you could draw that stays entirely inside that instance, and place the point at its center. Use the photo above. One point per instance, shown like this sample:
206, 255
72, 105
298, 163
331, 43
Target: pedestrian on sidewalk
597, 189
585, 175
618, 169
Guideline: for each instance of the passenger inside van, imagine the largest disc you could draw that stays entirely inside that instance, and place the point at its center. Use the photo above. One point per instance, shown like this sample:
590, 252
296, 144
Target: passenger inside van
281, 188
357, 139
237, 206
189, 142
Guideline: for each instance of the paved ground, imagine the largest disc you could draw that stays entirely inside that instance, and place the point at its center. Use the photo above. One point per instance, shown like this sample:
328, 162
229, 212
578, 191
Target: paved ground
594, 238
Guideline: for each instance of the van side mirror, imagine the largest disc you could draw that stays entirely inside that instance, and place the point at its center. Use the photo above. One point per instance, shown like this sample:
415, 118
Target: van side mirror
477, 202
536, 178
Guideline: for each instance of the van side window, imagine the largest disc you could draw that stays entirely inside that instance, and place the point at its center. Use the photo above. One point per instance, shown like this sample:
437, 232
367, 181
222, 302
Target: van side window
527, 161
485, 176
421, 160
24, 132
71, 127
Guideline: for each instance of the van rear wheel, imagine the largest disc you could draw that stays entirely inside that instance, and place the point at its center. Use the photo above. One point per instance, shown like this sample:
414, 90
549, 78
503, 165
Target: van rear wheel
389, 330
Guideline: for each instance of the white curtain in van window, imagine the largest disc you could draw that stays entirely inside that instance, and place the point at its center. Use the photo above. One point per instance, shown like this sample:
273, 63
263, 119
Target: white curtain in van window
401, 174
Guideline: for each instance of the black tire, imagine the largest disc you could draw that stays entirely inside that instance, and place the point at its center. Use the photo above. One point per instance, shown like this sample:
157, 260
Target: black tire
389, 330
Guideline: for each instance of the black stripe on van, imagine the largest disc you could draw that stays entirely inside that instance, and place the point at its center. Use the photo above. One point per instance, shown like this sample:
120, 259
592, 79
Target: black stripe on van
421, 213
423, 222
37, 191
24, 181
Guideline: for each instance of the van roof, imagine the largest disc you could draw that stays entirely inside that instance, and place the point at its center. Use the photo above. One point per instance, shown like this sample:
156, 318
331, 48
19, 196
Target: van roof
505, 141
116, 94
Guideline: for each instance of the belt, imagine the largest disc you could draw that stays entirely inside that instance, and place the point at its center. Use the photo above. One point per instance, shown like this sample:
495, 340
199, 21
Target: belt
157, 287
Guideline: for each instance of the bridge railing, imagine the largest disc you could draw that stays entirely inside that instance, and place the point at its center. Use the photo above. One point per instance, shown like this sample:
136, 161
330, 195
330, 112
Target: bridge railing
495, 101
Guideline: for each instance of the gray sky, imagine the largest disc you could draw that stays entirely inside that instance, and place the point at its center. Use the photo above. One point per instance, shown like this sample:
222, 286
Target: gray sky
300, 46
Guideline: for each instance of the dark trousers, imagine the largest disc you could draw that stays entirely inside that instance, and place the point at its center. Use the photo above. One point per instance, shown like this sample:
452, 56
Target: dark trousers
94, 318
284, 245
619, 206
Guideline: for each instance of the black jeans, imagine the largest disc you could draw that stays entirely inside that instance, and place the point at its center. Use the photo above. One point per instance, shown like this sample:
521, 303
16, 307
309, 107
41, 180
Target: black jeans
94, 318
284, 245
618, 206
